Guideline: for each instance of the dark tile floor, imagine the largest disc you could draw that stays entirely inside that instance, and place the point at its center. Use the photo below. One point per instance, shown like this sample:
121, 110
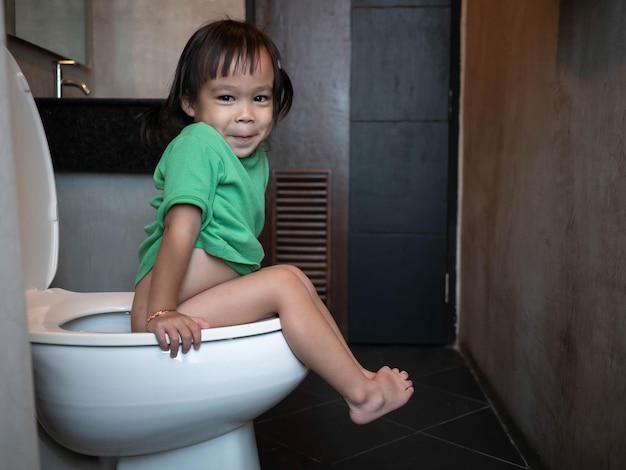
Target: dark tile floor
447, 425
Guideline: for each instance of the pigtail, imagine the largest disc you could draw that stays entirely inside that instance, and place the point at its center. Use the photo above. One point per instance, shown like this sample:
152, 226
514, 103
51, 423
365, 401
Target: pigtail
150, 128
284, 94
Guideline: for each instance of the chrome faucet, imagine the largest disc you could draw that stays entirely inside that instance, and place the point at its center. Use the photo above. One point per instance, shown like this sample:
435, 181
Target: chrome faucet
61, 82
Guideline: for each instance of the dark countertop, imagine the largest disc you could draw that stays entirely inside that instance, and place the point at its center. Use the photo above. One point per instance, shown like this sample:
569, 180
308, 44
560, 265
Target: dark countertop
97, 134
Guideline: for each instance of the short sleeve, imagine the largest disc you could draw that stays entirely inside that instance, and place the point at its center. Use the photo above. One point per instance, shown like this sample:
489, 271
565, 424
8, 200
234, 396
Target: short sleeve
190, 175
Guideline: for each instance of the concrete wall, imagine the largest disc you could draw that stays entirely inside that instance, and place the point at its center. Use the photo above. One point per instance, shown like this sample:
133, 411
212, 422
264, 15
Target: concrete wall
107, 211
543, 221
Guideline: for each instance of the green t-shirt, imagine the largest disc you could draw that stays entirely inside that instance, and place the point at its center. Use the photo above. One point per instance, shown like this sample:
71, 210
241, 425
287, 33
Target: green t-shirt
198, 167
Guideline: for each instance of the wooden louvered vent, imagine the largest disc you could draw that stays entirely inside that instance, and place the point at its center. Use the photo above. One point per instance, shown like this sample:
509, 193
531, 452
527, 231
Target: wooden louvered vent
301, 223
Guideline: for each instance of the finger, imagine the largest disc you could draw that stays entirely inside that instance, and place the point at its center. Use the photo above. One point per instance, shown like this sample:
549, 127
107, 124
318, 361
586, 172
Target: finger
201, 322
174, 342
186, 338
159, 333
197, 334
174, 349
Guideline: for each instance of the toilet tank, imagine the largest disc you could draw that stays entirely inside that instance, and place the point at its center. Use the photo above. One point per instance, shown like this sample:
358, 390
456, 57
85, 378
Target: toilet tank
36, 191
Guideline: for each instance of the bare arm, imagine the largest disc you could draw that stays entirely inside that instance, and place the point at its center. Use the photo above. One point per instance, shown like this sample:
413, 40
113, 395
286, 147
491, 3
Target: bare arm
182, 226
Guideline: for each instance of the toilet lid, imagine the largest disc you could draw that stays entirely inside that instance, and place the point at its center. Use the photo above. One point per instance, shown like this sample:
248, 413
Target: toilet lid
36, 192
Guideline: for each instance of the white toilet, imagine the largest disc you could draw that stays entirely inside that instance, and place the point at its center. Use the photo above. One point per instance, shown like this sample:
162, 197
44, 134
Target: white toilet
103, 391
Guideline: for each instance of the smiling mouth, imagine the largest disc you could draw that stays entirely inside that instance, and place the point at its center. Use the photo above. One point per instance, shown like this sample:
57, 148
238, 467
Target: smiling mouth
243, 138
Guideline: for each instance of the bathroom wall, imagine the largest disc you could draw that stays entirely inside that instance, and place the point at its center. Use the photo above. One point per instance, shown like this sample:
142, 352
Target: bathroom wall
136, 45
18, 443
101, 220
133, 47
543, 221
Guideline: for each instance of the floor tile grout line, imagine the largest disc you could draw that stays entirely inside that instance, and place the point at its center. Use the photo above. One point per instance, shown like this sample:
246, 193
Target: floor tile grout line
410, 432
435, 372
490, 405
459, 395
393, 441
387, 443
464, 415
287, 447
396, 423
284, 445
422, 430
318, 394
293, 412
502, 423
379, 446
476, 451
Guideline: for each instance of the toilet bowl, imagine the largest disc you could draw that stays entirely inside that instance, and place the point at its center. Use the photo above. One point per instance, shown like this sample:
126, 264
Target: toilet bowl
104, 391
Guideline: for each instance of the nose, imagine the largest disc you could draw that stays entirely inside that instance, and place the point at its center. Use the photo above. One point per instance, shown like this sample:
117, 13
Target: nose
246, 113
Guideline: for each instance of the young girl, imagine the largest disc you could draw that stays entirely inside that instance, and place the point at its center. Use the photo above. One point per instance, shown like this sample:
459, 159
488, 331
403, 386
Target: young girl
199, 265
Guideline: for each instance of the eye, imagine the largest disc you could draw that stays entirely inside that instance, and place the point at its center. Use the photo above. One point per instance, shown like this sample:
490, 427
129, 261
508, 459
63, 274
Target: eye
261, 98
227, 98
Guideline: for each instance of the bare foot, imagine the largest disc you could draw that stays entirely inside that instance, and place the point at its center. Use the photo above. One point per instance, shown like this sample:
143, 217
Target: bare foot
368, 373
391, 390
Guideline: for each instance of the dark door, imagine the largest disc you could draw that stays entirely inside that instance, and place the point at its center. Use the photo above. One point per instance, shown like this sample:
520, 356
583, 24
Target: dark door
402, 209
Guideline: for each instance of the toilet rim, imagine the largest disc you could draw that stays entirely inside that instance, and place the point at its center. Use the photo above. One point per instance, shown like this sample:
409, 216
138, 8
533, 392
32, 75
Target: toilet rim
48, 310
55, 335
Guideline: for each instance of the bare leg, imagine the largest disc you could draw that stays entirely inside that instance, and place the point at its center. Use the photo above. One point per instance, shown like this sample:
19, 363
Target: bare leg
139, 310
310, 335
204, 271
325, 313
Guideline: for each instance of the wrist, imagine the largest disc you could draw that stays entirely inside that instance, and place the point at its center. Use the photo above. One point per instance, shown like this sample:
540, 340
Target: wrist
156, 314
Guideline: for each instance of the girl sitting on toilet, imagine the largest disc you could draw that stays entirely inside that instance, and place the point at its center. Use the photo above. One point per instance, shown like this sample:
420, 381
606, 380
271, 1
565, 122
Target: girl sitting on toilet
200, 262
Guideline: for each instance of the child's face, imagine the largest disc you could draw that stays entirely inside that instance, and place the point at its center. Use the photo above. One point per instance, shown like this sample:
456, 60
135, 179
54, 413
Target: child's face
239, 107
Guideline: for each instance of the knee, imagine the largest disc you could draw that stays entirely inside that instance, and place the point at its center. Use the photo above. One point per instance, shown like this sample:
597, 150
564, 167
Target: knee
297, 272
288, 281
292, 269
287, 273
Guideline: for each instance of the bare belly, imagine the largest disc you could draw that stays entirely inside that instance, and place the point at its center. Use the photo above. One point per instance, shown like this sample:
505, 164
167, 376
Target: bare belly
205, 271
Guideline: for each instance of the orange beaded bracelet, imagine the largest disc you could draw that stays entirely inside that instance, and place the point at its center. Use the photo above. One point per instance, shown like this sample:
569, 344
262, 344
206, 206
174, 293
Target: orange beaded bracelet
158, 314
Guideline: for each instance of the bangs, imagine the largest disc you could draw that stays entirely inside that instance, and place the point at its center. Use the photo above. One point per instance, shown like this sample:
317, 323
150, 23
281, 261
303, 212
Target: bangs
236, 53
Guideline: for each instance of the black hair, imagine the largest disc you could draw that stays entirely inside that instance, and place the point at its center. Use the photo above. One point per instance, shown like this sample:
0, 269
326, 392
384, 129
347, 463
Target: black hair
211, 52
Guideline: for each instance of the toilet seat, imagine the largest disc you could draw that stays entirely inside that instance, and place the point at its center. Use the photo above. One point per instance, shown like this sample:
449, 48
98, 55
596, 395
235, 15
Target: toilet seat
50, 308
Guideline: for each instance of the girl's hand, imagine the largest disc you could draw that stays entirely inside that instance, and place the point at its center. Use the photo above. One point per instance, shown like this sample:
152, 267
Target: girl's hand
180, 328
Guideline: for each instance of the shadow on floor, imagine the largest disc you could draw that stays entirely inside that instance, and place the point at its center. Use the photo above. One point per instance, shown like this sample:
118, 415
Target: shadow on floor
447, 425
